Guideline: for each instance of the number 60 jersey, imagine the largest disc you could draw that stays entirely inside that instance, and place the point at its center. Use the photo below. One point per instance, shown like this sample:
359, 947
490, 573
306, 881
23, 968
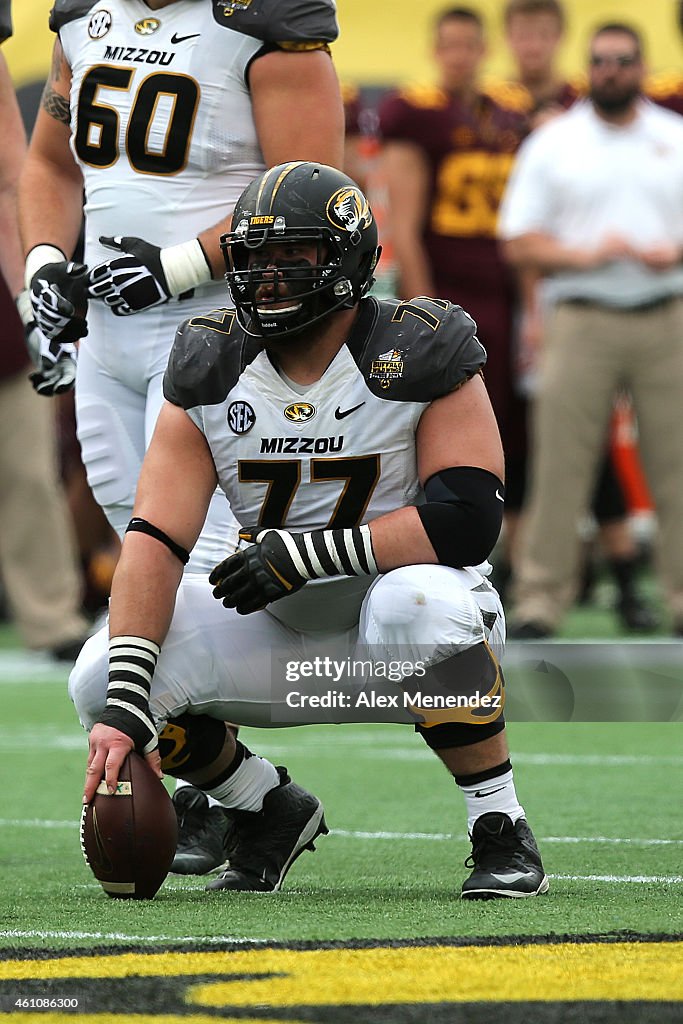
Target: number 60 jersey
160, 103
336, 453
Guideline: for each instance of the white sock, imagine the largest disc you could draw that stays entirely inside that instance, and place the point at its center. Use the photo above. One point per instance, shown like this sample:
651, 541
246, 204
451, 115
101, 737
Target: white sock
245, 789
496, 794
179, 783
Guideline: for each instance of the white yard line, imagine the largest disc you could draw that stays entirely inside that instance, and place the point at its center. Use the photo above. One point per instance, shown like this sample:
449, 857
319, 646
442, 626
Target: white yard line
637, 879
347, 834
31, 667
47, 738
359, 834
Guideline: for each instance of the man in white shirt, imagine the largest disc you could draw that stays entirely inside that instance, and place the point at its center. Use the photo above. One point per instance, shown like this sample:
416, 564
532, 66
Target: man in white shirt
595, 204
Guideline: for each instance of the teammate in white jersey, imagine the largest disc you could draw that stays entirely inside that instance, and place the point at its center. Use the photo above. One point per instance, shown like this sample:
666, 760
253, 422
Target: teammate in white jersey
162, 111
358, 448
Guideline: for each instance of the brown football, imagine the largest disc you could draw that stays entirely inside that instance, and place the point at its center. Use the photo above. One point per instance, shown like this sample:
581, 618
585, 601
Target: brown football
129, 838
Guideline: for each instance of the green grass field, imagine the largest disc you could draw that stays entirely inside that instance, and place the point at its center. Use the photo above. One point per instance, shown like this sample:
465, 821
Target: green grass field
604, 800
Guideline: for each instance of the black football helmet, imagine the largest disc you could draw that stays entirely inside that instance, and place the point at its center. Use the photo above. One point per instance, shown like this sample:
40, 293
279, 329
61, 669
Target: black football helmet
293, 204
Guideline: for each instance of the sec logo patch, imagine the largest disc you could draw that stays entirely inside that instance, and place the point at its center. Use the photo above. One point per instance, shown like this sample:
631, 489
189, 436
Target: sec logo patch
99, 24
241, 417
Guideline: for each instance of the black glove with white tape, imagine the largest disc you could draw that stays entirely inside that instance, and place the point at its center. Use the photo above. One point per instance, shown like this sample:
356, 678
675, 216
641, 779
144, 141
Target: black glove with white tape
144, 275
51, 376
59, 294
279, 563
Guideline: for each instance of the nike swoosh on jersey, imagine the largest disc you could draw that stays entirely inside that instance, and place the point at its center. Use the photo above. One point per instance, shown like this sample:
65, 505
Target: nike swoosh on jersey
181, 39
339, 415
499, 495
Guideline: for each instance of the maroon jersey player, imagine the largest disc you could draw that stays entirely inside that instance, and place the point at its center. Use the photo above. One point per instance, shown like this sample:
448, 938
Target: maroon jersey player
448, 153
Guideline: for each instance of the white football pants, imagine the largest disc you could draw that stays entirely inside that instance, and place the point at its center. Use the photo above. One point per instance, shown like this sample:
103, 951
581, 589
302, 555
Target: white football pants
235, 667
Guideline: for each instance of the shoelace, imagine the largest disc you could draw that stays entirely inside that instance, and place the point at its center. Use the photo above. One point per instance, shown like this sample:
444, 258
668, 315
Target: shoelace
489, 846
190, 825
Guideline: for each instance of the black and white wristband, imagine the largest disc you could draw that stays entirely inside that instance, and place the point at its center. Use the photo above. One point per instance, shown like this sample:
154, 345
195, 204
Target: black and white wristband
132, 661
323, 553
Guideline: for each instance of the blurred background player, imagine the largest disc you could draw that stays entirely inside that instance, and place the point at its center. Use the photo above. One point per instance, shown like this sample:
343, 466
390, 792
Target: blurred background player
613, 259
448, 151
41, 578
534, 30
162, 149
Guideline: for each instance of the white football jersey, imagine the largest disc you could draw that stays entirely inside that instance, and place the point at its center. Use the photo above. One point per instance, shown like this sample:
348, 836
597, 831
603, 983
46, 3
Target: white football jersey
339, 453
161, 118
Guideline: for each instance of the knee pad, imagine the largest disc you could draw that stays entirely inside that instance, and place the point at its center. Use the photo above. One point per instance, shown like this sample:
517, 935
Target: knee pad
189, 743
466, 689
422, 605
458, 734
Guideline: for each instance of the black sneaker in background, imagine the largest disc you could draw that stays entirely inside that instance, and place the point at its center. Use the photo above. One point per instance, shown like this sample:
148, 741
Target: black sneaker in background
529, 631
67, 652
635, 614
203, 833
505, 860
265, 843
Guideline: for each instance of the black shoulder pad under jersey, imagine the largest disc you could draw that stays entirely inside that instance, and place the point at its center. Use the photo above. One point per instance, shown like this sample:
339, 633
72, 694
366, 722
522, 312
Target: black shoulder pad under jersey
5, 20
280, 21
208, 355
65, 11
416, 350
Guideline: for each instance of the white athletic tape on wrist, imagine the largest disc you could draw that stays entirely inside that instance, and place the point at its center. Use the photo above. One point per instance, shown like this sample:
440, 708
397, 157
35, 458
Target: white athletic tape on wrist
130, 683
184, 266
38, 257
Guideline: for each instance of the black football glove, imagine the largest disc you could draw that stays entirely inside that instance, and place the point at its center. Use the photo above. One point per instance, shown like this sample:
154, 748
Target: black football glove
280, 563
145, 275
50, 379
253, 578
55, 364
131, 282
59, 298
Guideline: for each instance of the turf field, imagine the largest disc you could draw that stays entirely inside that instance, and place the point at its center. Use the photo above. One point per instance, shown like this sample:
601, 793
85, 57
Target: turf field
369, 928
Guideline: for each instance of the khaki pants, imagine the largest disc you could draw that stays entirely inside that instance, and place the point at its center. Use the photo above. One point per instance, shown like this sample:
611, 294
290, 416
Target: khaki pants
590, 352
37, 557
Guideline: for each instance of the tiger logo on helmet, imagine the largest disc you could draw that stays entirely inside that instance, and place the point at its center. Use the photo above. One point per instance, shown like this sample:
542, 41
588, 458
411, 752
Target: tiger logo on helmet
348, 209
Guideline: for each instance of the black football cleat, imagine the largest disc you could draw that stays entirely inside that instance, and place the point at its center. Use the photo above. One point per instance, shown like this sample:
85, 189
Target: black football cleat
203, 833
265, 843
505, 859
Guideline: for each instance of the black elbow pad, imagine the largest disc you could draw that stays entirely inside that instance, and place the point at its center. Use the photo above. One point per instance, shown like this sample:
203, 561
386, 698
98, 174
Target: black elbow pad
463, 514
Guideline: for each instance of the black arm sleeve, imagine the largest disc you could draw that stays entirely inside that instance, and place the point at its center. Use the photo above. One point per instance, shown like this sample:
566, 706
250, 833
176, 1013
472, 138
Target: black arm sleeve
463, 514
